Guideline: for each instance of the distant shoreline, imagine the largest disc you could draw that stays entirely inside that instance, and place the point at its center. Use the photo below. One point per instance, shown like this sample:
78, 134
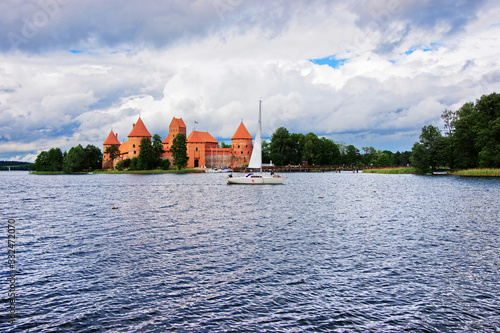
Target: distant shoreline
116, 172
405, 170
486, 172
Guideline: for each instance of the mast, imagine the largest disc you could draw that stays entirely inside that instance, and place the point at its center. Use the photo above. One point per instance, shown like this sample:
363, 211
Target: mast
259, 134
256, 158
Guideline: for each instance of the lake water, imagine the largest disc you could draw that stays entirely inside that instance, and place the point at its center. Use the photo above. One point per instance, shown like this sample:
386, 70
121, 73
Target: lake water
325, 252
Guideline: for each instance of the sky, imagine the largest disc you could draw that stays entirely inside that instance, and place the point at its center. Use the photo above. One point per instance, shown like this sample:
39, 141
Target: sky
362, 72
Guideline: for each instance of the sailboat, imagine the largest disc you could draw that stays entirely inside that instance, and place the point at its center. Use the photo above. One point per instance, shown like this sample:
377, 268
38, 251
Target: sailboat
256, 163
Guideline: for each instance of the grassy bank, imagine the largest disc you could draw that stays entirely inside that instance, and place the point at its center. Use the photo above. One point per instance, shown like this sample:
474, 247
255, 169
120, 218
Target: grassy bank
398, 170
478, 173
111, 172
46, 173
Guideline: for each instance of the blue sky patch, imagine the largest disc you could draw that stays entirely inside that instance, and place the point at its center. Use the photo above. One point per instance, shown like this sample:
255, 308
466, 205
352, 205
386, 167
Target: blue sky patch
331, 61
425, 48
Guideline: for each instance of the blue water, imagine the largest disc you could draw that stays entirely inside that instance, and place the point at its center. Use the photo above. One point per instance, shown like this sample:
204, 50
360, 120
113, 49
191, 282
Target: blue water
325, 252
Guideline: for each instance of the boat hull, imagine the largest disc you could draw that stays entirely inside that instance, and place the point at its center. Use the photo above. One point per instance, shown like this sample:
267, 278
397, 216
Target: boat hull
255, 181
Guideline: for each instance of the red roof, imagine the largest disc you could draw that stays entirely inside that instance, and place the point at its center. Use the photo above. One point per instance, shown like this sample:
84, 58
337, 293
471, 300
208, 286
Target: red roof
178, 121
111, 139
241, 133
124, 147
139, 130
196, 136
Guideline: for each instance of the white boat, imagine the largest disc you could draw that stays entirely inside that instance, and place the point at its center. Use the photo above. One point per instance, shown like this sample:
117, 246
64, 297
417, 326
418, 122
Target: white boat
256, 163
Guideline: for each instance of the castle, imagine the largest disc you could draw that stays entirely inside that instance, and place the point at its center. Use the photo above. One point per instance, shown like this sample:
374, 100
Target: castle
202, 149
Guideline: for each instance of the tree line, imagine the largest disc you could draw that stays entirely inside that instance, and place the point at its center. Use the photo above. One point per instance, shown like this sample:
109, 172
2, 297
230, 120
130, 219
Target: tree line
295, 148
471, 138
14, 166
76, 159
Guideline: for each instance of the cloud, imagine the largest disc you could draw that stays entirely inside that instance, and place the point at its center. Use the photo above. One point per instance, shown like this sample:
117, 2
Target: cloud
90, 67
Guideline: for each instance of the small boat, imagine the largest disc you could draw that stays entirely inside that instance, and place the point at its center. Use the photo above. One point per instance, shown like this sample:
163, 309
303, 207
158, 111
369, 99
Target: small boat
440, 172
218, 170
255, 179
256, 163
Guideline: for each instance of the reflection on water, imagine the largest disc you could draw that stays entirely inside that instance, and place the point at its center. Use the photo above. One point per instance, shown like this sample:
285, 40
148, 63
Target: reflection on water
324, 252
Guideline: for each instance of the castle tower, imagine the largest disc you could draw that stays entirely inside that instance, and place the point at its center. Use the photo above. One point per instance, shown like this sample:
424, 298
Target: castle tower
112, 139
242, 146
177, 126
199, 146
135, 136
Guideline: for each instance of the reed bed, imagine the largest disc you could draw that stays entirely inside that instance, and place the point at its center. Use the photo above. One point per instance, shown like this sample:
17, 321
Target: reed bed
478, 172
398, 170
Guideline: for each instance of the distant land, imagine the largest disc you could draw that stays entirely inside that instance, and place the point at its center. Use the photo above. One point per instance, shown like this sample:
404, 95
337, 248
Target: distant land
14, 165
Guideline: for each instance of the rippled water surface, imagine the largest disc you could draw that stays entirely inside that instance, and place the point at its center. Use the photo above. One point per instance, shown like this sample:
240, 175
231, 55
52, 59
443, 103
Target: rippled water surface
325, 252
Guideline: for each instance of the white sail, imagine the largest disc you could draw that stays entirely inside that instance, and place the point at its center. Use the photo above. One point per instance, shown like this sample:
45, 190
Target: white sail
256, 158
256, 163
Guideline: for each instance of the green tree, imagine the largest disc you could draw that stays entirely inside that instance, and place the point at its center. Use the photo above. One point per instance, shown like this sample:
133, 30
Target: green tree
113, 152
75, 160
134, 164
281, 147
488, 139
223, 145
158, 151
369, 155
93, 158
41, 162
297, 148
55, 159
351, 155
51, 160
402, 159
179, 151
266, 154
165, 164
383, 159
449, 117
146, 155
466, 130
310, 152
328, 152
429, 152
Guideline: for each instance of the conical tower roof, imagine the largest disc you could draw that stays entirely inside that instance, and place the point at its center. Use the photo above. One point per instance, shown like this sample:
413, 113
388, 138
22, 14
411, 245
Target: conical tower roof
241, 133
111, 139
139, 130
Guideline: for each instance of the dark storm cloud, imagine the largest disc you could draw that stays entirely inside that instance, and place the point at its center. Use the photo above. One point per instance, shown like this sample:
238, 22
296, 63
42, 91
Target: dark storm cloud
380, 16
47, 25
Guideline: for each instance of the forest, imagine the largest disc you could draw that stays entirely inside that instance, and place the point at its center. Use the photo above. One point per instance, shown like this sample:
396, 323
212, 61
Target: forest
471, 138
291, 148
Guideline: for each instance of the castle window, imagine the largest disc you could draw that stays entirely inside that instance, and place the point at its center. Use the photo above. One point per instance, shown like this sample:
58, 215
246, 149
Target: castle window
135, 152
238, 146
196, 148
241, 153
133, 146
